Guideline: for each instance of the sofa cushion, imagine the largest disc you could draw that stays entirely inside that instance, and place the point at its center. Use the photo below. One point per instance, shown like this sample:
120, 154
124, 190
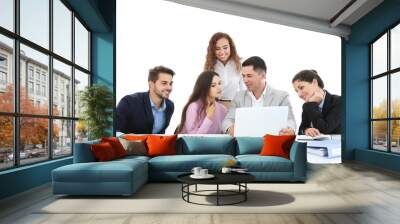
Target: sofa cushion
112, 171
136, 147
277, 145
257, 163
133, 137
185, 163
83, 152
197, 145
249, 145
116, 145
118, 177
103, 152
159, 145
132, 157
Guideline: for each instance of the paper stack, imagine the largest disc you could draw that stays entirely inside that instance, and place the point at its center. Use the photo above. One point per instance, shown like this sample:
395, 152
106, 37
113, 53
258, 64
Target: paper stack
330, 148
309, 138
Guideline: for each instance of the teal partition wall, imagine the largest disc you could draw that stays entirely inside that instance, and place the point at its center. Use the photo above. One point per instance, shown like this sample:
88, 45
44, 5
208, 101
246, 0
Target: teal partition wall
24, 178
102, 59
356, 93
103, 64
356, 129
104, 52
99, 16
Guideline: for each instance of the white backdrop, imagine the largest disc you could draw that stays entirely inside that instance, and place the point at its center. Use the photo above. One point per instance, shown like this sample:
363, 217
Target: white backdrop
157, 32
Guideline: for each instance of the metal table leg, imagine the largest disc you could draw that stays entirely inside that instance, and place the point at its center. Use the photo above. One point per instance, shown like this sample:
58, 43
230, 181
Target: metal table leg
217, 194
245, 193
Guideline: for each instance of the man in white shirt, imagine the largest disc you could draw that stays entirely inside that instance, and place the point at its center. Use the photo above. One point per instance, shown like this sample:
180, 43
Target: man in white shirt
258, 94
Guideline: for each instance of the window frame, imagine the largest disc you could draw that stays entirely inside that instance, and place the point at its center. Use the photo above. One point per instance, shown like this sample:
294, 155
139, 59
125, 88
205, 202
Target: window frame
388, 74
3, 77
3, 70
5, 59
15, 72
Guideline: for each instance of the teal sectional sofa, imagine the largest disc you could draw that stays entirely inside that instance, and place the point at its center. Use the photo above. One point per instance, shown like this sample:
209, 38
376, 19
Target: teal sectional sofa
125, 176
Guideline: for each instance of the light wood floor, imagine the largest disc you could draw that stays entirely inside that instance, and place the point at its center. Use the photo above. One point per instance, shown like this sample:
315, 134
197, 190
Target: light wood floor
377, 188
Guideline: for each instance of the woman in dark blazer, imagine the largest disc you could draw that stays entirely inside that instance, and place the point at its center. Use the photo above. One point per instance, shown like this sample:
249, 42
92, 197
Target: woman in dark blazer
321, 110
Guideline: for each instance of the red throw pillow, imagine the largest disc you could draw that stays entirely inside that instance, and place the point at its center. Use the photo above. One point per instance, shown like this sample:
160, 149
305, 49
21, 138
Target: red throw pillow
159, 145
277, 145
103, 152
116, 145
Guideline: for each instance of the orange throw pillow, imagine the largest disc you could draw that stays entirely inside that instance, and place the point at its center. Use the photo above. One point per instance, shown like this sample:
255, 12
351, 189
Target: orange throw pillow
277, 145
159, 145
103, 151
116, 145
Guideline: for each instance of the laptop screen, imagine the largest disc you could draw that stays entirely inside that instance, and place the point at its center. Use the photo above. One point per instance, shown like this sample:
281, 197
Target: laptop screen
258, 121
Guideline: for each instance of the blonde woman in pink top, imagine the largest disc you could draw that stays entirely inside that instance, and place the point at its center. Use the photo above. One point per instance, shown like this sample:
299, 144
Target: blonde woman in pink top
203, 114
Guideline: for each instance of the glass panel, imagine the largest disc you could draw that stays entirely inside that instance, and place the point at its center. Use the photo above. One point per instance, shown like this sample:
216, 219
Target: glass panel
81, 81
62, 89
379, 55
33, 140
35, 21
6, 142
395, 136
6, 74
395, 94
62, 29
81, 45
379, 98
7, 14
81, 131
379, 135
62, 133
395, 47
34, 81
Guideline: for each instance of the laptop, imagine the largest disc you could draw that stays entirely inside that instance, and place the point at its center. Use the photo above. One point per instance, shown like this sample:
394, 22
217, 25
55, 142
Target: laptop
258, 121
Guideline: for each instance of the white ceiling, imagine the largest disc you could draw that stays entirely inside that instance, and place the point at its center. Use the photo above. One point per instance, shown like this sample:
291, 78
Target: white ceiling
324, 16
321, 9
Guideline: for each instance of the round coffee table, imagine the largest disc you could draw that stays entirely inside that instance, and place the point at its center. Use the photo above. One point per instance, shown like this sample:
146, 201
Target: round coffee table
238, 179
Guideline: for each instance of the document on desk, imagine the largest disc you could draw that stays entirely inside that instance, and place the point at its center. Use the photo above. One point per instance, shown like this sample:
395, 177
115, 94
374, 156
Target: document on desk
333, 146
318, 151
308, 138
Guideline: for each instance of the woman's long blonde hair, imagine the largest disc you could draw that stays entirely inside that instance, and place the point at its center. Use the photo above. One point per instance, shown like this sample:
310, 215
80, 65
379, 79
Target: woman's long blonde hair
211, 58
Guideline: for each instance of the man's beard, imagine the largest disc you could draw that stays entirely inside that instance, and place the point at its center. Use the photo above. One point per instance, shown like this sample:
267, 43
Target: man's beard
160, 95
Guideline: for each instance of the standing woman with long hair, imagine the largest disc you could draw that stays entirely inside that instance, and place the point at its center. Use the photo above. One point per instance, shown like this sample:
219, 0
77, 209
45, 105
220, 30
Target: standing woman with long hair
223, 59
203, 114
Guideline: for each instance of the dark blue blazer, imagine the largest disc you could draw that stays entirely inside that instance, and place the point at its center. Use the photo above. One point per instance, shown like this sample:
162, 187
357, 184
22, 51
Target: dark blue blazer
134, 114
327, 121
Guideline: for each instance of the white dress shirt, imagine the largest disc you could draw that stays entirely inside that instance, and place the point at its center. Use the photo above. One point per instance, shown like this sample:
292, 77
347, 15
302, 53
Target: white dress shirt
231, 79
260, 101
271, 97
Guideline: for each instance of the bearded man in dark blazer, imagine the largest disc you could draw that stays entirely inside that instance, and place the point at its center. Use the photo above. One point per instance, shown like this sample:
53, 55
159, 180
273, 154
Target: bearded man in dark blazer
148, 112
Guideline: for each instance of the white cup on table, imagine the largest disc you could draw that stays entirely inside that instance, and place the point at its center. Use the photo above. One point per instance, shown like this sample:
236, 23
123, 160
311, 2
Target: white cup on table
203, 172
196, 170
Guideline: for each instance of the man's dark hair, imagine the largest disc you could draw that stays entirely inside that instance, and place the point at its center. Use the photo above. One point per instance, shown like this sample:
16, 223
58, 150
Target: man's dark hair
308, 76
154, 72
257, 63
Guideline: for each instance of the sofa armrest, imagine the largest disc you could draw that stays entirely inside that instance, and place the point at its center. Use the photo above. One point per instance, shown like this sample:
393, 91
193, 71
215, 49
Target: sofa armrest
83, 153
298, 155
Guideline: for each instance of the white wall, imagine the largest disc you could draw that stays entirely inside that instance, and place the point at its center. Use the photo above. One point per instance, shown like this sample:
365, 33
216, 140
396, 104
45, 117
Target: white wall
156, 32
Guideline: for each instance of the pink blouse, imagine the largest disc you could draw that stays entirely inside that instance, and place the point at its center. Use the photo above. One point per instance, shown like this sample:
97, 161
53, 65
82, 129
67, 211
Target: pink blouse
199, 123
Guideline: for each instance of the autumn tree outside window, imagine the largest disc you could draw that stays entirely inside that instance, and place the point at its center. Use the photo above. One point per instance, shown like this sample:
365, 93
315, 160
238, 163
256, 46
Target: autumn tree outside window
44, 64
385, 91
